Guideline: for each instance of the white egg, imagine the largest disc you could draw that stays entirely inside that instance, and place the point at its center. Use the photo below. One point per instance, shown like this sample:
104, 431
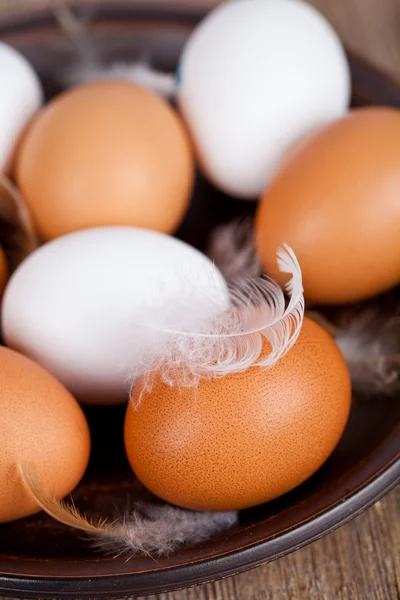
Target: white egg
21, 96
74, 304
255, 77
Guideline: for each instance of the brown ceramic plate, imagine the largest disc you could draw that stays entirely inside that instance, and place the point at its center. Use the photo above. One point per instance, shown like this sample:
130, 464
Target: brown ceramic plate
41, 559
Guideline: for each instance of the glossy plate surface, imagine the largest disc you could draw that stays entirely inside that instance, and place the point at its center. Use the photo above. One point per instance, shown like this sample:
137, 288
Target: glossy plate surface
41, 559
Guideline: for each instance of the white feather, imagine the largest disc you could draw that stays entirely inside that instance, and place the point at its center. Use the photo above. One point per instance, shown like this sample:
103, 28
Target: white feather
138, 72
90, 67
191, 337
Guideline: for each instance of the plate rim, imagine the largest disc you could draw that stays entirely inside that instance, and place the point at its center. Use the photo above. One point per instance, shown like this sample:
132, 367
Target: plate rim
205, 571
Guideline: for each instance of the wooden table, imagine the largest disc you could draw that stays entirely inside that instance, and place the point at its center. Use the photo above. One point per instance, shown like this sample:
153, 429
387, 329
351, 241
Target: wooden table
360, 561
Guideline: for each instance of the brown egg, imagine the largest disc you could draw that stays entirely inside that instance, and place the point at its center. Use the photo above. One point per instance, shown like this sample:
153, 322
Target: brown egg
106, 153
3, 271
336, 202
42, 425
244, 439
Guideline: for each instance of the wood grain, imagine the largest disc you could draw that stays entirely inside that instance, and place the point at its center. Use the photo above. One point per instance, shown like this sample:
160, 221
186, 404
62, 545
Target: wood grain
370, 27
360, 561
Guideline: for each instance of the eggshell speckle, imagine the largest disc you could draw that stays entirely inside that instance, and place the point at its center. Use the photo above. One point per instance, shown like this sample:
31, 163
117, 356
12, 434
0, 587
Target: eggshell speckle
244, 439
336, 202
106, 153
41, 424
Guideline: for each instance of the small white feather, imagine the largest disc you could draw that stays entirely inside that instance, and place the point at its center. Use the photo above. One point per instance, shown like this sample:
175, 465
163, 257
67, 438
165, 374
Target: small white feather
90, 67
74, 28
191, 337
138, 72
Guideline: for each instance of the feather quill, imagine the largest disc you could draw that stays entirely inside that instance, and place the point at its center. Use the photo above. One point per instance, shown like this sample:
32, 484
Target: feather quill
153, 528
189, 337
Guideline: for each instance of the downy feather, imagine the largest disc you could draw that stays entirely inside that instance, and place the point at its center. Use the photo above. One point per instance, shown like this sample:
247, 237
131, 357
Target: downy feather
368, 335
89, 65
153, 528
231, 247
371, 347
187, 337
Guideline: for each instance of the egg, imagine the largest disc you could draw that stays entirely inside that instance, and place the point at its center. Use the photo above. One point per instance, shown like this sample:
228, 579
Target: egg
42, 425
335, 201
75, 305
3, 271
21, 96
106, 153
256, 76
244, 439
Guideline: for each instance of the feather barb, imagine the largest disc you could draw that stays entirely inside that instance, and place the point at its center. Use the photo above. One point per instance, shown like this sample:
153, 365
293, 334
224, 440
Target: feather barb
190, 337
151, 529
